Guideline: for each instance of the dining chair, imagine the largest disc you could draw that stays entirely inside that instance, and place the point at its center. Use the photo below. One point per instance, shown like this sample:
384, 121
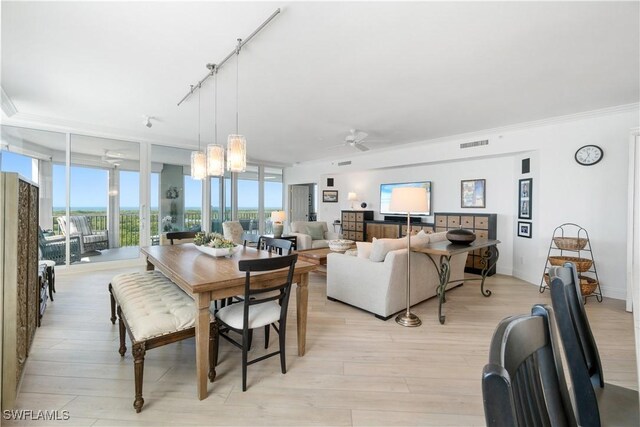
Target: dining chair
278, 246
524, 383
617, 405
260, 308
180, 235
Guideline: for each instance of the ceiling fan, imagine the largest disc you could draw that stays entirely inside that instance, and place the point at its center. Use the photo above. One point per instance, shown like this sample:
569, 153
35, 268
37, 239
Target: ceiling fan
354, 139
112, 157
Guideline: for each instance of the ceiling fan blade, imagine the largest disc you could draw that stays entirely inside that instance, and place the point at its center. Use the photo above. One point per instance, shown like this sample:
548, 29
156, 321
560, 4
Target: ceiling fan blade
361, 147
359, 136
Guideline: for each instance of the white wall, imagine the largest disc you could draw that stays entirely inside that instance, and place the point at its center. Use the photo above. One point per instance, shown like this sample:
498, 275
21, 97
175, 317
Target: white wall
594, 197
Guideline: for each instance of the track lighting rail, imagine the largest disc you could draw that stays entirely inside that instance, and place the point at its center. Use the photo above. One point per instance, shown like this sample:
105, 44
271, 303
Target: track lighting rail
213, 68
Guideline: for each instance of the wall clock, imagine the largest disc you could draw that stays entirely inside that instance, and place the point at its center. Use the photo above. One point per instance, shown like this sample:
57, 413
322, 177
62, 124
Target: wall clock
589, 155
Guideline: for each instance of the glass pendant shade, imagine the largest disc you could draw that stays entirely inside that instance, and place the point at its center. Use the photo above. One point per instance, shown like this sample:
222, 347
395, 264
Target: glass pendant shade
198, 165
215, 160
236, 153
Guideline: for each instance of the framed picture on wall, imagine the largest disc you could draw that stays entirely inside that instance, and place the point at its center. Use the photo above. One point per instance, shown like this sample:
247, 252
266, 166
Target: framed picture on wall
330, 196
472, 193
524, 198
524, 229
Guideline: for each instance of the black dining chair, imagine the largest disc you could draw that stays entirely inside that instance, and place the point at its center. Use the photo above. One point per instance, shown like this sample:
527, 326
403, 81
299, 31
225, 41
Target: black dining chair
618, 406
259, 308
180, 235
524, 382
278, 246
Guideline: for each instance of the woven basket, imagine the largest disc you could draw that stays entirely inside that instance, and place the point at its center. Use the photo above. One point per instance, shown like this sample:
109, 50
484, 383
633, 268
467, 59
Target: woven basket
587, 284
570, 243
582, 264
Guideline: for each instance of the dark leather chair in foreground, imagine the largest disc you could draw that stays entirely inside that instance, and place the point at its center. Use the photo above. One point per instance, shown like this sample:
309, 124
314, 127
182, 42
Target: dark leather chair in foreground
618, 406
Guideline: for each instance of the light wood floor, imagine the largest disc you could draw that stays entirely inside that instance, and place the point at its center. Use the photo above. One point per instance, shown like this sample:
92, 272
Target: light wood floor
358, 370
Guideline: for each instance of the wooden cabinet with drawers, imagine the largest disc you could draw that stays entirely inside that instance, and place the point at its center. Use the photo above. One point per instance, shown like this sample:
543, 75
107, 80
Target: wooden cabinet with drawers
483, 225
393, 230
353, 227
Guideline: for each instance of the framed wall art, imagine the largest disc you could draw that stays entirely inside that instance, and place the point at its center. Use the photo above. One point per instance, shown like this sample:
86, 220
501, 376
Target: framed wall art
525, 188
524, 229
330, 196
472, 193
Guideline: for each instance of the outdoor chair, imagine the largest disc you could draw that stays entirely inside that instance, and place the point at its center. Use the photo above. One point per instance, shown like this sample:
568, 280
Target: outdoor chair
53, 248
89, 240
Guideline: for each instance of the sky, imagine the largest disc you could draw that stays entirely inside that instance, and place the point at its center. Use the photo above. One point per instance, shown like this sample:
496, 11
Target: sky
89, 187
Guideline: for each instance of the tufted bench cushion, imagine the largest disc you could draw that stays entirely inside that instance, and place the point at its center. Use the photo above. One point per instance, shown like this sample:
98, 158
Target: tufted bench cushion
152, 304
155, 312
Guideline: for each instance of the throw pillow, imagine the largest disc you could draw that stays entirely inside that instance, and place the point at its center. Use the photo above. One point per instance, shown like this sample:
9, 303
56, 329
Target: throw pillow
419, 240
381, 247
364, 249
438, 237
316, 231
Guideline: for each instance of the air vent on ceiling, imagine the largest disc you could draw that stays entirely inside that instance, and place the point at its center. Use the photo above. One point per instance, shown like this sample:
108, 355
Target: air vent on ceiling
475, 144
348, 162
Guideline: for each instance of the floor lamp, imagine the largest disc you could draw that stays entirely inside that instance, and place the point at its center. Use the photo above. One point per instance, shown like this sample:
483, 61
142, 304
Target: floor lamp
408, 199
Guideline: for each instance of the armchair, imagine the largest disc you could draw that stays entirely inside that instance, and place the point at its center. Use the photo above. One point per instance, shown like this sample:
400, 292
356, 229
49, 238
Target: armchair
305, 241
89, 240
54, 248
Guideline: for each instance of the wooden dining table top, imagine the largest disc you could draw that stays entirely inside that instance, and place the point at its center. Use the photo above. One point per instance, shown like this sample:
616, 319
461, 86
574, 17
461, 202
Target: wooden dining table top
198, 272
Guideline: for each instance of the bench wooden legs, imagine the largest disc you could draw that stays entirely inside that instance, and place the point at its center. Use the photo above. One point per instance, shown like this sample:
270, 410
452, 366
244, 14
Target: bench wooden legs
123, 333
113, 305
213, 350
138, 369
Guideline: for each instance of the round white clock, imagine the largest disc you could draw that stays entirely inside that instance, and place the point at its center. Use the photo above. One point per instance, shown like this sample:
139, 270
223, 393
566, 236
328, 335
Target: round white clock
589, 155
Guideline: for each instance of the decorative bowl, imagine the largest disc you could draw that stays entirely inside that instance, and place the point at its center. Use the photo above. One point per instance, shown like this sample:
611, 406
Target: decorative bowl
461, 236
340, 245
218, 252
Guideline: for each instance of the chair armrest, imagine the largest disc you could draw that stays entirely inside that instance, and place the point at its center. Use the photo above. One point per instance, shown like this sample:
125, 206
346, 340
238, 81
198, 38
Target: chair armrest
303, 240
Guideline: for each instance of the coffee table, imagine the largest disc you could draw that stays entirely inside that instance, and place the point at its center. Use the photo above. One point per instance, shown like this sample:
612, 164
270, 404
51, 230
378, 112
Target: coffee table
317, 256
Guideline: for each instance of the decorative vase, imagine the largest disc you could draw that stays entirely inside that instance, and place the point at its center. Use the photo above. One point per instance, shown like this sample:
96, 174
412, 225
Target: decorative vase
277, 230
461, 236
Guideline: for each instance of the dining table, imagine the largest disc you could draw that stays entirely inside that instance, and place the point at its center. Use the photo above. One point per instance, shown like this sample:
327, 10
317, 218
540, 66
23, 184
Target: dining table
207, 279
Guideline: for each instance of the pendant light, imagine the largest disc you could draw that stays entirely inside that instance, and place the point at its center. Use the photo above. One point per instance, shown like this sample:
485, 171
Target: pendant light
198, 158
215, 151
236, 143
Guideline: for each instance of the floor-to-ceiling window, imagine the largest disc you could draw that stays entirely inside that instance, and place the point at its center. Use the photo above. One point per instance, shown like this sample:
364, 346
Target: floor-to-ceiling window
248, 199
104, 198
179, 196
273, 194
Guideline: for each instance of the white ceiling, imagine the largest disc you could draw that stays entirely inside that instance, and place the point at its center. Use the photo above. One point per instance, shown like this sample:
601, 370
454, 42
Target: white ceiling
403, 72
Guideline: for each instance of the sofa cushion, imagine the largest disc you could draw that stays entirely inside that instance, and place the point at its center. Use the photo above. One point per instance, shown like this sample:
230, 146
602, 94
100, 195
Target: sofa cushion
364, 249
381, 247
316, 231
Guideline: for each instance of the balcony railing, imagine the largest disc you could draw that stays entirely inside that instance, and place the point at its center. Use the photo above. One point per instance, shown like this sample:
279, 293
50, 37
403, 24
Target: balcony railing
130, 223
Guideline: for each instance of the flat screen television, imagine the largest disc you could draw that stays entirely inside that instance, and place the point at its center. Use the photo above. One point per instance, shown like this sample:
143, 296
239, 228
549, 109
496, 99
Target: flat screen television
385, 197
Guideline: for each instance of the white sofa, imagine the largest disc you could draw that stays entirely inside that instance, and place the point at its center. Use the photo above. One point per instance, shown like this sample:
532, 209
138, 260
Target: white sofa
380, 287
299, 229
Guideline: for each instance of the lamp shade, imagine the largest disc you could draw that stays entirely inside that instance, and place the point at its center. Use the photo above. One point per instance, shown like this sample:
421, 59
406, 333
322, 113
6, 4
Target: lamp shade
198, 165
236, 153
352, 196
278, 216
409, 199
215, 160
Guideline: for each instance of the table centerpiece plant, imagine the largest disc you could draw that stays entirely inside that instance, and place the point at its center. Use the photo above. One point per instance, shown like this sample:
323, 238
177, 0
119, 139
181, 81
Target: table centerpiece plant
214, 244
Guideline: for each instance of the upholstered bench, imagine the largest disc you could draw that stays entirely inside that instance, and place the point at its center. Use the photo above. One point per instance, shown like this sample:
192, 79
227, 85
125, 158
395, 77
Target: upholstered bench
154, 311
